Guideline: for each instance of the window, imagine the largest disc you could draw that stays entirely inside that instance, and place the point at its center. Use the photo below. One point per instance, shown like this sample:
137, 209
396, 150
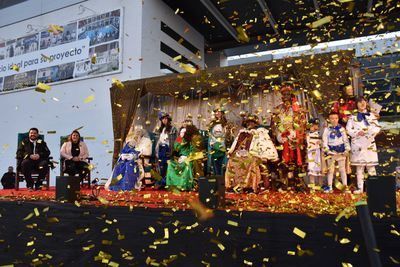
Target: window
382, 83
174, 35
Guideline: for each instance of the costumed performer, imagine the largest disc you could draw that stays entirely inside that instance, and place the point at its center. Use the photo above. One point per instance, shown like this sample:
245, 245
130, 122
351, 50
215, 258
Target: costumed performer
362, 128
249, 150
187, 166
166, 135
220, 137
128, 171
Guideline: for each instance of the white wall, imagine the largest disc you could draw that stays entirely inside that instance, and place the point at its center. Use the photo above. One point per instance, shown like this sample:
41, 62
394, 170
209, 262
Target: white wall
32, 8
155, 11
21, 110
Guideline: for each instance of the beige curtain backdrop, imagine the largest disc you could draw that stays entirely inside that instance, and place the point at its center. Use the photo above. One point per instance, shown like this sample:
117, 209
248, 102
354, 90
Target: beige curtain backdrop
201, 110
139, 102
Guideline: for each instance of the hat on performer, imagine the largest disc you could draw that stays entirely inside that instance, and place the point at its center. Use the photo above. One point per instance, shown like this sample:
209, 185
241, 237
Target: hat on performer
313, 121
219, 108
163, 114
251, 117
286, 88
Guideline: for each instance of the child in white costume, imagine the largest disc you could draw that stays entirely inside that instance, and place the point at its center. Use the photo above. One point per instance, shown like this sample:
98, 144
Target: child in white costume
314, 155
362, 128
336, 147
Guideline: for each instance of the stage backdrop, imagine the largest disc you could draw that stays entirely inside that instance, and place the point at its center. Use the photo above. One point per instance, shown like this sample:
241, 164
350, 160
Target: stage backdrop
85, 48
139, 101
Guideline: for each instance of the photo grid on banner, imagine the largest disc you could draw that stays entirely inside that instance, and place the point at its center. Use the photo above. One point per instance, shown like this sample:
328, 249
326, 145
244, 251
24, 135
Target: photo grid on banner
84, 49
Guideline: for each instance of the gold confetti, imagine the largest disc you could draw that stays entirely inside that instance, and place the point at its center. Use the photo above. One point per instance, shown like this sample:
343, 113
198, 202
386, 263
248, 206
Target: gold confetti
166, 233
395, 232
36, 211
242, 35
52, 220
55, 29
233, 223
202, 212
188, 68
177, 58
317, 94
117, 83
321, 22
344, 241
15, 67
30, 215
88, 99
42, 87
394, 260
93, 59
88, 247
103, 201
299, 232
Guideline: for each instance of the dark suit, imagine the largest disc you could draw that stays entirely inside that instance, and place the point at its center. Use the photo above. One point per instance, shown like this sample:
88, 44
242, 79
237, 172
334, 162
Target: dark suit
8, 180
27, 165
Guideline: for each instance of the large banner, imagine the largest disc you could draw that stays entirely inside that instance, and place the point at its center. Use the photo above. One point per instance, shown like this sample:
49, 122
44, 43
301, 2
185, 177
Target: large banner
86, 48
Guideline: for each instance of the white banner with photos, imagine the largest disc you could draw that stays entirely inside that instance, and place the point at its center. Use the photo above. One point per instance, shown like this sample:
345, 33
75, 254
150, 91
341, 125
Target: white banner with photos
86, 48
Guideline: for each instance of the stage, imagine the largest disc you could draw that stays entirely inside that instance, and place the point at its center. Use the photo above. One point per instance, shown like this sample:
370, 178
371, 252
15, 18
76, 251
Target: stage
157, 228
267, 201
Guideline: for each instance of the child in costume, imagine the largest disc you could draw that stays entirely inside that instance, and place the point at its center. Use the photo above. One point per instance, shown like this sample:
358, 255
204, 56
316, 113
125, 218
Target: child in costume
336, 147
362, 128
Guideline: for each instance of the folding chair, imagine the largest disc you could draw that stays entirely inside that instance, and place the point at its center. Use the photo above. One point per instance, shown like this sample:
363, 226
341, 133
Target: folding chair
88, 177
19, 177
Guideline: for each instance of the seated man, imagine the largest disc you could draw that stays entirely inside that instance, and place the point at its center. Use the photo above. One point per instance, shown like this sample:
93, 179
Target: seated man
8, 179
250, 149
33, 154
128, 171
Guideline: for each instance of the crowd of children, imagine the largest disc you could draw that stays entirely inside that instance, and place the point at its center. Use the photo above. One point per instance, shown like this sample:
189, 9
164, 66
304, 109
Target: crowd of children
335, 147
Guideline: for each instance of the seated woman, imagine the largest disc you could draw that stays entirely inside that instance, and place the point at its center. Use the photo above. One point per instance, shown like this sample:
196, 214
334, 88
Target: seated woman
184, 171
128, 171
251, 148
75, 153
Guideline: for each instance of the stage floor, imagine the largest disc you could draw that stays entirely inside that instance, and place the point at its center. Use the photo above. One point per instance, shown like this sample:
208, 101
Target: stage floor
268, 201
43, 233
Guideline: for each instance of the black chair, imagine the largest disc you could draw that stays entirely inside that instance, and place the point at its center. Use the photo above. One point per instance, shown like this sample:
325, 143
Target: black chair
88, 178
19, 177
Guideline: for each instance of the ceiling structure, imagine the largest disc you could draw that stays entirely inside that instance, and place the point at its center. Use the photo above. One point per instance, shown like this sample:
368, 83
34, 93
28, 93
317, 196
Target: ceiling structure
273, 24
8, 3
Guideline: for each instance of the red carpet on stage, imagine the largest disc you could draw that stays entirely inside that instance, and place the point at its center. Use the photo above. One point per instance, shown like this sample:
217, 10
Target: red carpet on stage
269, 201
